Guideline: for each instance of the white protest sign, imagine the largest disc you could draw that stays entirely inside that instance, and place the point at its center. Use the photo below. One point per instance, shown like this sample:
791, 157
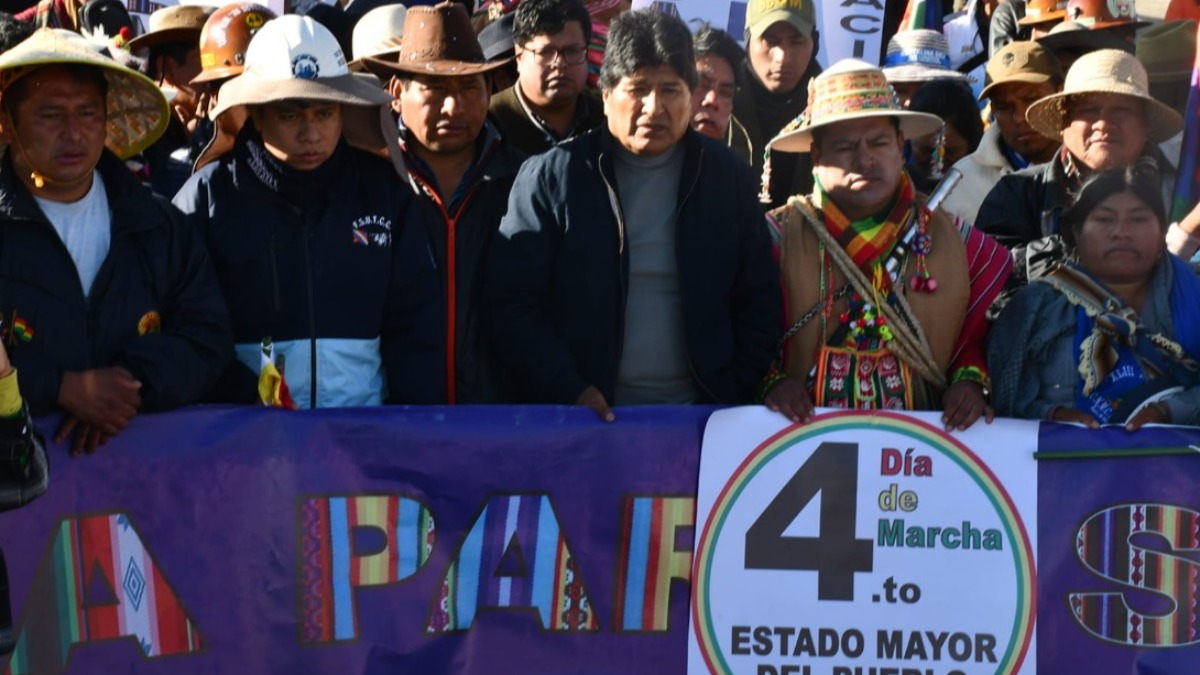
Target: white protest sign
864, 544
849, 28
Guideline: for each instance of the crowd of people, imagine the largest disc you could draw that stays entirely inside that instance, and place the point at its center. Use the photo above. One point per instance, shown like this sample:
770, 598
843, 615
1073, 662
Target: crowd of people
431, 207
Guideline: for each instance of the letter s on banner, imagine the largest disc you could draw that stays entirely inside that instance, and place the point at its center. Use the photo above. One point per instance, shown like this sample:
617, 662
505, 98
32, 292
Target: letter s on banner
1108, 544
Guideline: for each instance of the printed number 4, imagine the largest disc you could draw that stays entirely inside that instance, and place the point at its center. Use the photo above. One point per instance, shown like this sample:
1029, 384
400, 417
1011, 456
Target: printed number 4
835, 555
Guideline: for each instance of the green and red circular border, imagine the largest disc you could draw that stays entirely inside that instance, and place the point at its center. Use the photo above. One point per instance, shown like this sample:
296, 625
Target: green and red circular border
1014, 527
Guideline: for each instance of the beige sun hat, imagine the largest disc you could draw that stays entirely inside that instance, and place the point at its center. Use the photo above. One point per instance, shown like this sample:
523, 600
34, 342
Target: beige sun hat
851, 90
1107, 71
136, 110
378, 33
294, 57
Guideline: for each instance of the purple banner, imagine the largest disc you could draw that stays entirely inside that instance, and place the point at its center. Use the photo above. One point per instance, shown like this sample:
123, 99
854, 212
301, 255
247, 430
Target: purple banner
359, 541
501, 540
1118, 551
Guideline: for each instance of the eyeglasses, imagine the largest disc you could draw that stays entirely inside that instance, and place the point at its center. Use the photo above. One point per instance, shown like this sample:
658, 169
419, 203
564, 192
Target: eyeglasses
548, 56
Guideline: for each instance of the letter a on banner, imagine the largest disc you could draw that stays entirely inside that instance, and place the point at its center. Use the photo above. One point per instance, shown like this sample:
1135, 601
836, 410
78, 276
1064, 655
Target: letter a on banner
348, 543
515, 555
99, 582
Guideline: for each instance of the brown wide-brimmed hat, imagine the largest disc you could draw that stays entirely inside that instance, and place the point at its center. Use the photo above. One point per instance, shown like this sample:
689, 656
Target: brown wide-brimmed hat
179, 23
438, 40
1107, 71
136, 110
850, 90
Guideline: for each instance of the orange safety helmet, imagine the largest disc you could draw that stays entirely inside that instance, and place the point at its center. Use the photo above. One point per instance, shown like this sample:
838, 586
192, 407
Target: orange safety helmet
224, 39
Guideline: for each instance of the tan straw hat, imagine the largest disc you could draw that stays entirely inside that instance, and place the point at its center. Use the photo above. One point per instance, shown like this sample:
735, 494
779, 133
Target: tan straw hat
1107, 71
851, 90
136, 110
294, 57
179, 23
438, 41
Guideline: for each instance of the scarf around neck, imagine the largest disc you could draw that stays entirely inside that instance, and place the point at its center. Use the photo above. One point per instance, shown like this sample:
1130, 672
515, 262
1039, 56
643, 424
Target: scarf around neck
869, 240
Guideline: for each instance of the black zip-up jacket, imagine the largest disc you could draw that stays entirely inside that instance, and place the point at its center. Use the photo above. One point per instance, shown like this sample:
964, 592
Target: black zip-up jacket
155, 308
467, 225
344, 289
559, 271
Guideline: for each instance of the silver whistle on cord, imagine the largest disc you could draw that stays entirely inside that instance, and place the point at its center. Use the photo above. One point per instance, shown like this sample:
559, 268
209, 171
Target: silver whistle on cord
939, 194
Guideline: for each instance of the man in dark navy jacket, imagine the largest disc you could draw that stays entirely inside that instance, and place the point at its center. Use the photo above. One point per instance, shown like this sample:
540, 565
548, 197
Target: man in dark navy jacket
304, 220
633, 266
109, 303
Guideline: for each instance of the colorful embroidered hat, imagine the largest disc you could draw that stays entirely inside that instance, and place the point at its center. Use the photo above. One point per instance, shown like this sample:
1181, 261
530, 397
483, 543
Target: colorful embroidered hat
137, 111
850, 90
1107, 71
919, 55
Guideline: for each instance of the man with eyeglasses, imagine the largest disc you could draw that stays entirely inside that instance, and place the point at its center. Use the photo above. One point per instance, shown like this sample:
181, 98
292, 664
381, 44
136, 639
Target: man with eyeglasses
549, 103
718, 57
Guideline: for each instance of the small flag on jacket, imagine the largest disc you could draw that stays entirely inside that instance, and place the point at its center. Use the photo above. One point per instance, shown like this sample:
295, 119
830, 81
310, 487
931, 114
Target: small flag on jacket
1187, 182
272, 388
923, 14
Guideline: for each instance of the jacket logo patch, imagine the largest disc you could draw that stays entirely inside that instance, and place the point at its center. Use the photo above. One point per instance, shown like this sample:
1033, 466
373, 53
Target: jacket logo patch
372, 230
150, 322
